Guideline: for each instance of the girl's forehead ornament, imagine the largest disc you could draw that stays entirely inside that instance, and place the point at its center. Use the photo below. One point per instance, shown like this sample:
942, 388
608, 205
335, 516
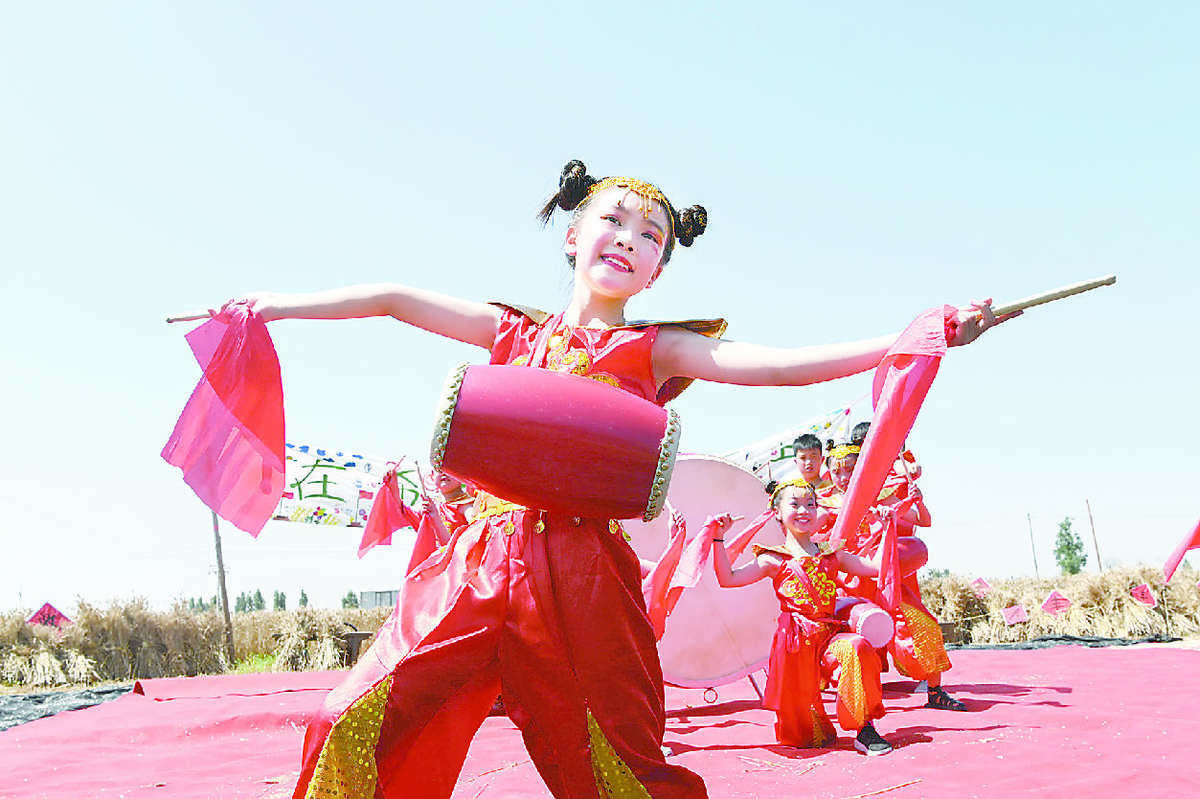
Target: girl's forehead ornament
643, 189
842, 450
798, 482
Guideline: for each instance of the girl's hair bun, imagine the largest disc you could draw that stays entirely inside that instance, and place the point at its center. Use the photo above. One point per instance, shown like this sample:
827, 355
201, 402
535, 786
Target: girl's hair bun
770, 486
690, 223
573, 185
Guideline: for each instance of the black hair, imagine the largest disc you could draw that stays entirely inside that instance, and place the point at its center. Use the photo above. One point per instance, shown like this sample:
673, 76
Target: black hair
806, 441
859, 433
573, 185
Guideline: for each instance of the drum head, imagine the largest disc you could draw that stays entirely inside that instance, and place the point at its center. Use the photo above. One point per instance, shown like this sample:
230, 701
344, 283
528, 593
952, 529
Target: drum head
715, 635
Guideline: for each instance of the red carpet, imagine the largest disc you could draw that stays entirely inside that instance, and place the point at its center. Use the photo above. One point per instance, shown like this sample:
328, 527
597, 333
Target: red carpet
1049, 722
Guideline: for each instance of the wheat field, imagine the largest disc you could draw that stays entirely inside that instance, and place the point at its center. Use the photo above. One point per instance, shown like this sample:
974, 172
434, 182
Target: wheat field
130, 640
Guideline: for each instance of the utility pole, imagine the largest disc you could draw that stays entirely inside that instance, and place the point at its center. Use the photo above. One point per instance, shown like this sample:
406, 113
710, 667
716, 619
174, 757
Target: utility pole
221, 592
1095, 542
1032, 548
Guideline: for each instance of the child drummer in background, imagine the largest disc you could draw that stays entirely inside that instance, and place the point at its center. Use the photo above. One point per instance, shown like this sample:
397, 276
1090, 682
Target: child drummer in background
810, 461
918, 649
547, 605
810, 646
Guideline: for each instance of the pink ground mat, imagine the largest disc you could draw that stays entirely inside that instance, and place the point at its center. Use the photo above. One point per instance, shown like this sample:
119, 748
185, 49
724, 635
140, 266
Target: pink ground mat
1051, 722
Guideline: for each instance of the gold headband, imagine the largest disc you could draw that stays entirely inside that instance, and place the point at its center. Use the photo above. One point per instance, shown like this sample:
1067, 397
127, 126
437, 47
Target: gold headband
842, 450
647, 191
799, 482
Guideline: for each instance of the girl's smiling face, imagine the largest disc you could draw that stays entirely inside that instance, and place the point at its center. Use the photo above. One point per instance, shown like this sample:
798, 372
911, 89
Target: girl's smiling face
616, 244
797, 510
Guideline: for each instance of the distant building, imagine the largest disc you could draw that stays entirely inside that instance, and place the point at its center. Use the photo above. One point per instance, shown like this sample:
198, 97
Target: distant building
377, 599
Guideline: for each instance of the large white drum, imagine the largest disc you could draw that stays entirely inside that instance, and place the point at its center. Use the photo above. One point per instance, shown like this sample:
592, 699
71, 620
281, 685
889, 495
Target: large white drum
715, 635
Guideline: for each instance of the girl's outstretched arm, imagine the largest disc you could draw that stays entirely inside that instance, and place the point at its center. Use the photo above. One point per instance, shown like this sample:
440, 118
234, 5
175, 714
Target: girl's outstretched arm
465, 320
681, 353
727, 576
853, 564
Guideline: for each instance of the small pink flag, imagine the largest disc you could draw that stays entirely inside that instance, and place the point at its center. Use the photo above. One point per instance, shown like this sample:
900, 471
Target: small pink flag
1143, 594
50, 616
982, 587
365, 494
1056, 603
1015, 614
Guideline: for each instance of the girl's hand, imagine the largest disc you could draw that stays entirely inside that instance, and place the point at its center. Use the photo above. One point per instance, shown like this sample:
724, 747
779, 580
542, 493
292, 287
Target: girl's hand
719, 525
263, 303
973, 321
677, 522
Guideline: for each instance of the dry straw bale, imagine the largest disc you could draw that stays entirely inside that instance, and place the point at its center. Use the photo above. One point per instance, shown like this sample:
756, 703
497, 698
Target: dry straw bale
1101, 605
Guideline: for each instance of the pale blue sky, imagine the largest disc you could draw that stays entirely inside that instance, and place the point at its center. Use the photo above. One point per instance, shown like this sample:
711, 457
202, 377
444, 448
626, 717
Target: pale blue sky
858, 164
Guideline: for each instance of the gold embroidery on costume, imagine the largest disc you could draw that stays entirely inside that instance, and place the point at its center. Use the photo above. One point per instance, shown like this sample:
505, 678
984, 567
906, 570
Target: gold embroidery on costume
561, 358
825, 587
793, 589
819, 736
346, 766
488, 505
614, 779
928, 645
850, 682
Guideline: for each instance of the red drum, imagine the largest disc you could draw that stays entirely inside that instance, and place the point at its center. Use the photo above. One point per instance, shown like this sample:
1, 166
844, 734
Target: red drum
867, 619
913, 554
715, 635
556, 442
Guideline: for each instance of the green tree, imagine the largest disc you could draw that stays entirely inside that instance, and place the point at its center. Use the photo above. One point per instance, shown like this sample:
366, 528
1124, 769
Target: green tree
1068, 549
280, 600
303, 599
350, 600
239, 604
259, 602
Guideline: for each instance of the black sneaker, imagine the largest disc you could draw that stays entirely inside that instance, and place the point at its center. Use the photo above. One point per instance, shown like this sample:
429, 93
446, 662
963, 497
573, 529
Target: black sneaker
940, 700
871, 743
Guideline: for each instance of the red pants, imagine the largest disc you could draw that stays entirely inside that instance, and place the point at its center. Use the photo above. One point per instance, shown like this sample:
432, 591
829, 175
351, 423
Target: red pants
555, 620
794, 680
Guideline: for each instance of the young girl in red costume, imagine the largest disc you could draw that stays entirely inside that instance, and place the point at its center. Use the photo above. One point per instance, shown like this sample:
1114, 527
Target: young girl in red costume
547, 607
808, 647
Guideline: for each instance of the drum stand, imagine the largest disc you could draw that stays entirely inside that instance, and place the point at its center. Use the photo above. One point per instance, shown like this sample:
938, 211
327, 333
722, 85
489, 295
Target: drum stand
712, 692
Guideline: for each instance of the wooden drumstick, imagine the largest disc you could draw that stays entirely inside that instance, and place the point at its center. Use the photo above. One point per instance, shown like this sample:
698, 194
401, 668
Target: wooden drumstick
1056, 294
190, 316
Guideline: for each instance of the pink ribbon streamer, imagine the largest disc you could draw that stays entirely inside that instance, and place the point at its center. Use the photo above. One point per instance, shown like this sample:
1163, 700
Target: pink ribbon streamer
901, 382
229, 440
1190, 542
658, 586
